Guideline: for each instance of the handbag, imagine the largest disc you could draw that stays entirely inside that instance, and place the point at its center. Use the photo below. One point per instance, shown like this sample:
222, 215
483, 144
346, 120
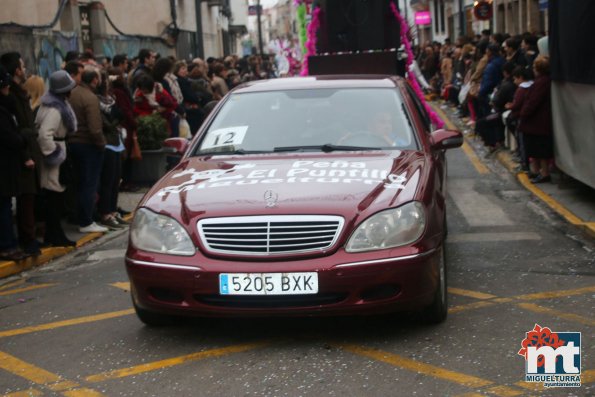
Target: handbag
464, 91
135, 153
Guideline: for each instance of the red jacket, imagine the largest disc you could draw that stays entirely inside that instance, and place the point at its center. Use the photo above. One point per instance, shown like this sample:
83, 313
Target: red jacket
142, 107
536, 113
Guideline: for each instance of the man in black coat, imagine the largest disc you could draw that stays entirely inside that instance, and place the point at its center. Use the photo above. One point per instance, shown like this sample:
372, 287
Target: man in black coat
11, 145
31, 156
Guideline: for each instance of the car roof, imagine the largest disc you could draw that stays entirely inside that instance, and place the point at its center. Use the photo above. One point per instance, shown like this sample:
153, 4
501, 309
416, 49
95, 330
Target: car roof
317, 82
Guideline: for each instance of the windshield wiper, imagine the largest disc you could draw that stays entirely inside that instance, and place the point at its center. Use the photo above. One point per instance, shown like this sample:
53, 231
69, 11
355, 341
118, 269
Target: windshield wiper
225, 152
327, 147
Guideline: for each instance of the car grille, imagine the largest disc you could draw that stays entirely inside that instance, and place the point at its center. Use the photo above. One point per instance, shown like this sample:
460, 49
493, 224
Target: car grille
269, 235
278, 302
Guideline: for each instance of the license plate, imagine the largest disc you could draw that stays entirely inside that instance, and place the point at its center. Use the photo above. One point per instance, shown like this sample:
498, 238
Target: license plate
268, 283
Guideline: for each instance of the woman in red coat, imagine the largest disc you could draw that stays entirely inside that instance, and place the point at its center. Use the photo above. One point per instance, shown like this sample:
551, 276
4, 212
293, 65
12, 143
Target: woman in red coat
536, 121
150, 97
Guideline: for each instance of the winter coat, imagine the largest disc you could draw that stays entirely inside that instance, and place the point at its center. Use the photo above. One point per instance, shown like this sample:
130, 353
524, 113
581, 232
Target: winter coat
190, 97
504, 95
11, 145
536, 113
491, 76
88, 115
29, 178
52, 131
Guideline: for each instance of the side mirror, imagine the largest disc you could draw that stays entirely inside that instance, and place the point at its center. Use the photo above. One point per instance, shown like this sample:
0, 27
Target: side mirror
446, 139
180, 145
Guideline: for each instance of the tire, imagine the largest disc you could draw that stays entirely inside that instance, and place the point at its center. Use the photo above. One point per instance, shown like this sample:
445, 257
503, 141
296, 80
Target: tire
153, 319
437, 311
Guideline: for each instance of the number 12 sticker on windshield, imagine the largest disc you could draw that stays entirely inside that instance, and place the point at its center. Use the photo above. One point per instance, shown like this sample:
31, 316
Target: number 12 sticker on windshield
225, 137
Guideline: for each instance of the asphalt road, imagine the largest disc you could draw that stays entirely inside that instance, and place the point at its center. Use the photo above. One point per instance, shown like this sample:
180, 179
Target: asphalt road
68, 328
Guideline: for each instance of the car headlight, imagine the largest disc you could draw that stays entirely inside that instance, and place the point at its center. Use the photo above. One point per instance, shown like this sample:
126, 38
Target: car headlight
388, 229
159, 233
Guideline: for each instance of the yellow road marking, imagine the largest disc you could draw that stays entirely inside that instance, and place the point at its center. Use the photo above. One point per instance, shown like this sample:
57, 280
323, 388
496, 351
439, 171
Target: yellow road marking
546, 310
25, 393
471, 294
122, 285
83, 392
479, 166
416, 366
556, 294
170, 362
449, 124
65, 323
13, 284
502, 300
472, 394
504, 391
559, 208
42, 377
64, 385
25, 289
588, 376
531, 386
469, 306
87, 238
25, 370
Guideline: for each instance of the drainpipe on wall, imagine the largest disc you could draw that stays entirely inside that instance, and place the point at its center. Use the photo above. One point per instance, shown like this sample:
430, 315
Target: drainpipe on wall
200, 50
70, 21
259, 22
461, 18
99, 27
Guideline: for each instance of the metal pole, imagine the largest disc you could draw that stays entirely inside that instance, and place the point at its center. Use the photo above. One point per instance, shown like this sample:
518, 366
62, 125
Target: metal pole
258, 12
461, 19
200, 50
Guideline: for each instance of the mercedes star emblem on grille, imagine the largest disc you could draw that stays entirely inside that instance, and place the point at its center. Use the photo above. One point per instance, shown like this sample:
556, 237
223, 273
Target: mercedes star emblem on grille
270, 198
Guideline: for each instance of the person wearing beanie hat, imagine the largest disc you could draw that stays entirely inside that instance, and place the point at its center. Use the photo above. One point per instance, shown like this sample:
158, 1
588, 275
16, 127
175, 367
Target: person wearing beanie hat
55, 120
11, 145
30, 156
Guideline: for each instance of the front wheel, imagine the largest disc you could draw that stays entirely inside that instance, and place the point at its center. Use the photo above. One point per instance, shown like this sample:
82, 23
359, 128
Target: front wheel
153, 319
438, 309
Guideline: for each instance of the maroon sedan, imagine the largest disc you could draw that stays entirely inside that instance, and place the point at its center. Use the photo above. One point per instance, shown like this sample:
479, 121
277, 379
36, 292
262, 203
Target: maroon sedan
302, 196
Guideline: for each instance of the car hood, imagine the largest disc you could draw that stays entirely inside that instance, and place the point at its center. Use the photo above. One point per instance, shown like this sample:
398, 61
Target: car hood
352, 185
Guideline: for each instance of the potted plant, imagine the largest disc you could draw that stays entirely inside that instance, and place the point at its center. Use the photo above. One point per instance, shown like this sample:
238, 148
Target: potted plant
152, 132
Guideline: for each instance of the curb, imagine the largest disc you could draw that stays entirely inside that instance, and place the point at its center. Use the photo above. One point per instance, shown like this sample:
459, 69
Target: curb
587, 227
505, 159
10, 268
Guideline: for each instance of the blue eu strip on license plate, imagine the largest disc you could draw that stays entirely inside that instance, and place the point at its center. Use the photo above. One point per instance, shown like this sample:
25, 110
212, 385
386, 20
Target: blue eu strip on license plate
268, 283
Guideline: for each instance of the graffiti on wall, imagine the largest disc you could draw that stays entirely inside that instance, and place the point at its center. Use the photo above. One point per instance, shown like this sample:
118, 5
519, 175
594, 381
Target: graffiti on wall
131, 46
52, 50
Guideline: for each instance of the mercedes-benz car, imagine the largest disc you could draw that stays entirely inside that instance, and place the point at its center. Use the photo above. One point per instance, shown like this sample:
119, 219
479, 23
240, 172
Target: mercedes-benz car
298, 197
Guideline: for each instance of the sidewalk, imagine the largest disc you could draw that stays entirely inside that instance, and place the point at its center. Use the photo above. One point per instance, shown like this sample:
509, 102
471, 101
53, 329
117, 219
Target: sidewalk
571, 199
126, 201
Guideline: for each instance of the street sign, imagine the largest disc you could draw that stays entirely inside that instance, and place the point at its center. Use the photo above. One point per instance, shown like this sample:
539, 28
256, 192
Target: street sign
483, 10
253, 10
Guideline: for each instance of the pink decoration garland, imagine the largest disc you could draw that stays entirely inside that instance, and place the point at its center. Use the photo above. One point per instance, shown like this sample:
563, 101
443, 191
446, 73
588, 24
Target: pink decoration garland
311, 42
436, 120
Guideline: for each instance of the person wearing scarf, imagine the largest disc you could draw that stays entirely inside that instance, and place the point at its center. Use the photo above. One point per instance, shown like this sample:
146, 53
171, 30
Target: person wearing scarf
55, 120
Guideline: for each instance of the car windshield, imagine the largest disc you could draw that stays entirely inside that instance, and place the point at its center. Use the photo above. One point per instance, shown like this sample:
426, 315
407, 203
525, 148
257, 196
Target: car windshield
310, 120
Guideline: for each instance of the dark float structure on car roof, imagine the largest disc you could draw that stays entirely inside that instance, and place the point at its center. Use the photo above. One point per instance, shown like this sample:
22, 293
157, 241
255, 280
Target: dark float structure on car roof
357, 37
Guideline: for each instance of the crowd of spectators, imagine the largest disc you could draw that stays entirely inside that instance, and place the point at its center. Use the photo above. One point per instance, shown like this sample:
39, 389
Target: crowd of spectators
497, 82
67, 149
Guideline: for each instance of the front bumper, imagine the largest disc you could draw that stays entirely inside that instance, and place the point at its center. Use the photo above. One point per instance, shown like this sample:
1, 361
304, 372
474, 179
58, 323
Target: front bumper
368, 286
